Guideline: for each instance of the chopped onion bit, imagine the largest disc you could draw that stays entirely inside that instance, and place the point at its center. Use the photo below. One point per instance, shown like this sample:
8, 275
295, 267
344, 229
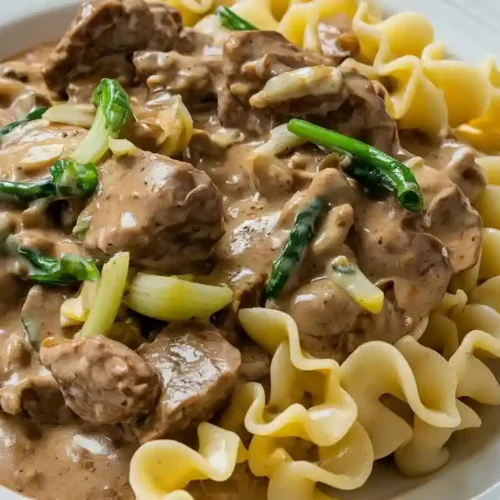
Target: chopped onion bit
74, 311
171, 298
177, 122
349, 277
80, 115
109, 296
316, 81
38, 157
280, 140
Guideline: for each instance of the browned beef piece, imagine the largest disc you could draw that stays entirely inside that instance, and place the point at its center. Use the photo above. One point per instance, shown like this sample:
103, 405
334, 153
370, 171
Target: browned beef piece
198, 369
450, 217
101, 380
107, 28
252, 58
453, 157
195, 78
195, 43
249, 292
38, 398
166, 213
255, 362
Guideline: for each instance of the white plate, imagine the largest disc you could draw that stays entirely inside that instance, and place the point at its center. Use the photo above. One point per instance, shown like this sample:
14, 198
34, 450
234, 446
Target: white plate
470, 33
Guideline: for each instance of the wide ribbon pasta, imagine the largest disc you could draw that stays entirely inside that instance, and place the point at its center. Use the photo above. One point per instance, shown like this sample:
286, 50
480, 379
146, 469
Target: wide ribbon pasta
160, 469
383, 40
344, 466
286, 428
450, 330
465, 87
409, 372
426, 451
483, 132
295, 376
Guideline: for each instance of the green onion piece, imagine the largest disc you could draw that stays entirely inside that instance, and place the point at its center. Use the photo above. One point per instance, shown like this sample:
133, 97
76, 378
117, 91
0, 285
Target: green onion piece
32, 115
391, 173
298, 239
109, 296
232, 21
68, 179
113, 111
70, 269
72, 179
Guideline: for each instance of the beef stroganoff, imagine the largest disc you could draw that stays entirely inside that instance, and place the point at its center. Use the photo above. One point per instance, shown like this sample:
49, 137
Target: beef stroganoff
248, 249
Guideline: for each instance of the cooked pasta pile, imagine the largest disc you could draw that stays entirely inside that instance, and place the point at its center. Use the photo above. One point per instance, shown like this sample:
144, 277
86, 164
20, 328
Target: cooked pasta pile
335, 409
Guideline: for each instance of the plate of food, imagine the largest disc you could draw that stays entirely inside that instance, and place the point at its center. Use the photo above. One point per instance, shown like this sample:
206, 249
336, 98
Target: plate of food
310, 311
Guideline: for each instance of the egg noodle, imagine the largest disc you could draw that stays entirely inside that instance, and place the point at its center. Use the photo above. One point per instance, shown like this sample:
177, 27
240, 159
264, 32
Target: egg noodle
403, 399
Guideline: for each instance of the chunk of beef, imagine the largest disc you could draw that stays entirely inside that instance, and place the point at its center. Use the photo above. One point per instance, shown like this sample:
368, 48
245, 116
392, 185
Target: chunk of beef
107, 28
36, 397
450, 217
255, 362
410, 265
166, 213
194, 42
452, 157
195, 78
198, 369
332, 325
250, 58
248, 292
101, 380
338, 98
253, 57
363, 115
411, 257
12, 291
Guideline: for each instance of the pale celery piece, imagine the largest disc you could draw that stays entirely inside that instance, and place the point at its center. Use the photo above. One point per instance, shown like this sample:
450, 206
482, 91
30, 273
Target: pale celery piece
171, 298
122, 147
349, 277
109, 296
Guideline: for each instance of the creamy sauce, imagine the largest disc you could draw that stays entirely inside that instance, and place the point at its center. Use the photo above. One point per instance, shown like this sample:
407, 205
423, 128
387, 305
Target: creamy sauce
411, 257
